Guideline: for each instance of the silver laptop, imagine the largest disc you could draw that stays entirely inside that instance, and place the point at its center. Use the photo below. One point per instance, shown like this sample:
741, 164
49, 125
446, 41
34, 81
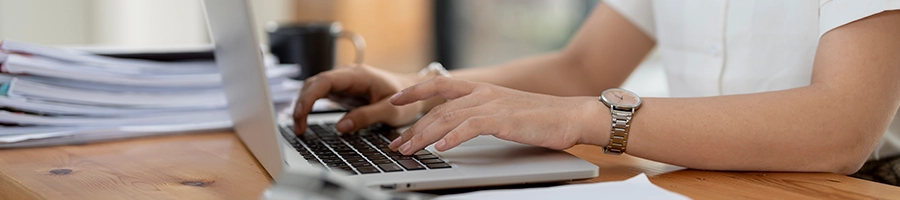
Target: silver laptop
364, 156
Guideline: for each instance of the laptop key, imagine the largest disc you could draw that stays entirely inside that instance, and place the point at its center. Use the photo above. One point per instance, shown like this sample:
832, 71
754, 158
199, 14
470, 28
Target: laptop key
353, 156
390, 167
303, 151
425, 157
438, 165
356, 160
336, 165
334, 160
402, 157
346, 169
410, 164
422, 153
361, 164
377, 157
360, 145
340, 146
431, 161
369, 151
383, 161
367, 170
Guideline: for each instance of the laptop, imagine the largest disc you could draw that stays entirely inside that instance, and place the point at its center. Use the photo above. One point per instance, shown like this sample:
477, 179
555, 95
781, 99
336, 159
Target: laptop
362, 156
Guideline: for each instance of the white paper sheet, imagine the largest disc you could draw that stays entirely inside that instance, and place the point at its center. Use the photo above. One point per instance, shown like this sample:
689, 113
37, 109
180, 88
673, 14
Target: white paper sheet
204, 99
102, 134
30, 65
70, 109
77, 56
637, 187
172, 118
26, 130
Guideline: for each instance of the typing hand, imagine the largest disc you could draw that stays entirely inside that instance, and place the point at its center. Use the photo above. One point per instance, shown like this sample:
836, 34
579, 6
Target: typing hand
363, 87
476, 109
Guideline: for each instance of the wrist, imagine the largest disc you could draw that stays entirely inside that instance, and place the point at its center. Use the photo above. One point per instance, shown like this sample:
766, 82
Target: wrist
429, 72
595, 122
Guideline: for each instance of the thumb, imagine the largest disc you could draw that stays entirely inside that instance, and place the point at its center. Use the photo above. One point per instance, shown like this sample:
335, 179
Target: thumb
365, 116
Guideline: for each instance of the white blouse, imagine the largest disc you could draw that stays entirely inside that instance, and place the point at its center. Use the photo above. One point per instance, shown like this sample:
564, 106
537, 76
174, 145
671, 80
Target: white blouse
722, 47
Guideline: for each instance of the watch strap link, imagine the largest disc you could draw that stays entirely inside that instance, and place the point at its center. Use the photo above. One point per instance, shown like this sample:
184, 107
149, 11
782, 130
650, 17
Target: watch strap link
618, 135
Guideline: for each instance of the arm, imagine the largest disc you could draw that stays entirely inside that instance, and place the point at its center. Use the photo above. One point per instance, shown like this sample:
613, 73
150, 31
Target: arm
832, 125
829, 126
600, 56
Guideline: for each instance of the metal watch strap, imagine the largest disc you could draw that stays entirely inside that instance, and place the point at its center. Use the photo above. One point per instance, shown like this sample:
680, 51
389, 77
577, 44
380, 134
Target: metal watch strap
618, 135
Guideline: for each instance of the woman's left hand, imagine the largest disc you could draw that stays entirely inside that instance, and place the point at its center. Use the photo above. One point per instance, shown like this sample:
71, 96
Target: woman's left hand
474, 108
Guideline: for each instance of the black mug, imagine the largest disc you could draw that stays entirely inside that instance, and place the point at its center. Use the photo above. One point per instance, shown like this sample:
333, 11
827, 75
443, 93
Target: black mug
311, 45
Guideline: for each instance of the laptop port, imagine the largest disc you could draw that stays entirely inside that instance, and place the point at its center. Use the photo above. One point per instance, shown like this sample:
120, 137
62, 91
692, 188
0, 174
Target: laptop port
389, 187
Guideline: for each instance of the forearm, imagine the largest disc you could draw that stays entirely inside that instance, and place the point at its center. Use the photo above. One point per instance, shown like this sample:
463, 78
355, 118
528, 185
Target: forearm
805, 129
553, 73
600, 56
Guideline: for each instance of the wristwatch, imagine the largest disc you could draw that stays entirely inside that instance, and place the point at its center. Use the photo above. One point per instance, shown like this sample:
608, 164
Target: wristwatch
622, 104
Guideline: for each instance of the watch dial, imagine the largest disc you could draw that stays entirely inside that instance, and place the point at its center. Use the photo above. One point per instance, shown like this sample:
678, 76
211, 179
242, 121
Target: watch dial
621, 98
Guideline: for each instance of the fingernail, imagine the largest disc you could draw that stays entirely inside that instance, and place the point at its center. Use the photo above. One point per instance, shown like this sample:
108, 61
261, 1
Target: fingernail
396, 96
396, 142
440, 144
345, 125
405, 147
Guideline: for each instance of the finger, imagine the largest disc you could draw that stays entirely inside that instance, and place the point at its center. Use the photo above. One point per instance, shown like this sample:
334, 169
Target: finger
350, 81
448, 88
471, 128
432, 115
303, 107
365, 116
299, 115
438, 128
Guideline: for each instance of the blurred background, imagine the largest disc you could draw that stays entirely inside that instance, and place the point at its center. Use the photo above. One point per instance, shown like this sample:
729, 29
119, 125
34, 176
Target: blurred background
401, 35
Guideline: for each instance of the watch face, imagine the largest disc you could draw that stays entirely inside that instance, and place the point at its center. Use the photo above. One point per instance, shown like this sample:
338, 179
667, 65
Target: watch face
621, 98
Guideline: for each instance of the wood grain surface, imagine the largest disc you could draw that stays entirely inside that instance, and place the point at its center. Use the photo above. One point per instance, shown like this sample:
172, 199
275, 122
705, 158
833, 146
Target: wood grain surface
218, 166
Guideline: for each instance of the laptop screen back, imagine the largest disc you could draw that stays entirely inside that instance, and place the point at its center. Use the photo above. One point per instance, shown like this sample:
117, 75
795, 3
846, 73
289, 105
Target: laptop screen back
243, 77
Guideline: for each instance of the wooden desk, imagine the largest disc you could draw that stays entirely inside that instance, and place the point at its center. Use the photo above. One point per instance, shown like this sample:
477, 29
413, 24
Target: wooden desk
218, 166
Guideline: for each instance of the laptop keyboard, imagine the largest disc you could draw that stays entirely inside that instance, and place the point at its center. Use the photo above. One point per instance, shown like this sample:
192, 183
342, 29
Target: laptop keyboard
363, 152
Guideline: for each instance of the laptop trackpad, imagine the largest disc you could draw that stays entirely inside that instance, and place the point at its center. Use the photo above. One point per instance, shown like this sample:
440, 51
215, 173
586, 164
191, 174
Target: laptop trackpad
488, 152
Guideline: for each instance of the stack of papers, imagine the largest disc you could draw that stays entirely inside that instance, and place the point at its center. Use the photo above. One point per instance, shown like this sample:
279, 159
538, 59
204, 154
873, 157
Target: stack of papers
52, 96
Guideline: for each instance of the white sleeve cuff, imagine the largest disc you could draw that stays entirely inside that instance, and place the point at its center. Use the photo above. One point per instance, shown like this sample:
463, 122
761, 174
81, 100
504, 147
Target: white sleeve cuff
836, 13
638, 12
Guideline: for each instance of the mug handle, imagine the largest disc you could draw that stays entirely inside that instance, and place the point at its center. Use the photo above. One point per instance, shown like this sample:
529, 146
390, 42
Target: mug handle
358, 43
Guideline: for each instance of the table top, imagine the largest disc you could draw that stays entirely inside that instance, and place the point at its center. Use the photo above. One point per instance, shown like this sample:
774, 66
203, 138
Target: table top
218, 166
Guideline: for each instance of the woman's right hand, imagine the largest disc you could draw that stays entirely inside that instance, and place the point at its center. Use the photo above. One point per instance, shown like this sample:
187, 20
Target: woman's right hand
368, 85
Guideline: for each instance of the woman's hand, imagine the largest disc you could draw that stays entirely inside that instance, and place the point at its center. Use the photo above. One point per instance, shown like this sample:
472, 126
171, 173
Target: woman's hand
476, 109
363, 86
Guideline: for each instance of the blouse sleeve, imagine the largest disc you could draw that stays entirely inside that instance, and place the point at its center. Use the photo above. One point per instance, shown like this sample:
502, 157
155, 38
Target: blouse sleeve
836, 13
638, 12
